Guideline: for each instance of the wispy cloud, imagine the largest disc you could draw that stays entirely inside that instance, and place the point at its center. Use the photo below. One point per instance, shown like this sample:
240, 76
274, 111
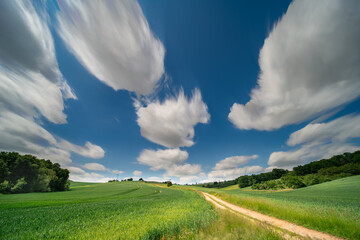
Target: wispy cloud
232, 173
113, 41
319, 140
137, 173
172, 161
79, 175
233, 162
32, 87
309, 65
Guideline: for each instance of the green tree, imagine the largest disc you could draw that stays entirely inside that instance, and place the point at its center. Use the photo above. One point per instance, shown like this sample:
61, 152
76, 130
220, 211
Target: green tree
26, 173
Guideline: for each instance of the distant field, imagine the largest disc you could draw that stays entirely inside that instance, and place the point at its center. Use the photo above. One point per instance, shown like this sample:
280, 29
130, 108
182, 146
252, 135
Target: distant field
232, 187
103, 211
332, 207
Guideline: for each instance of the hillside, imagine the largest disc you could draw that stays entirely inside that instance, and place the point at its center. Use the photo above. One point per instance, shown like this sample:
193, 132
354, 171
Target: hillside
332, 207
127, 210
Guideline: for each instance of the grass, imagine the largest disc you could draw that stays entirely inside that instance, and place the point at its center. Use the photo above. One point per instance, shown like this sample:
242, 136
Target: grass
134, 210
332, 207
232, 187
104, 211
231, 226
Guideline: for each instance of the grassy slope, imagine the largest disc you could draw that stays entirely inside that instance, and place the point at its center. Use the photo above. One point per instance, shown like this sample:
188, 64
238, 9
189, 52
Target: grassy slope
102, 211
232, 187
332, 207
231, 226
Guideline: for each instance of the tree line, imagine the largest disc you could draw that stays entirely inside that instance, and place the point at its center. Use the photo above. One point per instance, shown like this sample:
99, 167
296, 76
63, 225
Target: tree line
218, 184
339, 166
316, 172
26, 173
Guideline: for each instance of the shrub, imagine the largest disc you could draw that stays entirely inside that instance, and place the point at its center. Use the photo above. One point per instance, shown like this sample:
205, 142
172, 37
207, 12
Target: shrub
5, 186
20, 186
169, 184
291, 181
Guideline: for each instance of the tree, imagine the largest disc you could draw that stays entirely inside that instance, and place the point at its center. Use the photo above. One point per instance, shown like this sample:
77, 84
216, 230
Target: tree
26, 173
169, 184
141, 180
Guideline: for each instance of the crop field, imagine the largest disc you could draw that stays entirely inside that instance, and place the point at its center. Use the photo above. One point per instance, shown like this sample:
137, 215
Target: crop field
127, 210
332, 207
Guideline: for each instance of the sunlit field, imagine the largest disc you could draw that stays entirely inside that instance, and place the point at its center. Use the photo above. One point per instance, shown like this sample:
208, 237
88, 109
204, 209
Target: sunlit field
332, 207
103, 211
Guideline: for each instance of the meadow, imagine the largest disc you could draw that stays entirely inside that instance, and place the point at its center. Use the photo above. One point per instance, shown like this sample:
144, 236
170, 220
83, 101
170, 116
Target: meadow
126, 210
332, 207
137, 210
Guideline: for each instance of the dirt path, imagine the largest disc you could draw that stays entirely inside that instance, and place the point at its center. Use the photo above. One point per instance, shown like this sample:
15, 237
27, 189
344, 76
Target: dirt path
302, 231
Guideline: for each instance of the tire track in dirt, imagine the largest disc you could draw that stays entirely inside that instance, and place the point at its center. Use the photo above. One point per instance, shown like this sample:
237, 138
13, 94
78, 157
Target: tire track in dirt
288, 226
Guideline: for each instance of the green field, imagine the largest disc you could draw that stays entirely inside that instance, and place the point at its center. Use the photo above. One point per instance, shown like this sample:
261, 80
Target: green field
332, 207
103, 211
135, 210
232, 187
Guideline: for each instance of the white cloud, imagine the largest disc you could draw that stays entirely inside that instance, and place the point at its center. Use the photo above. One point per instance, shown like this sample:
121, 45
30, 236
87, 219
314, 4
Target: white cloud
137, 173
233, 162
79, 175
23, 135
170, 160
156, 179
228, 169
117, 171
309, 65
30, 93
32, 86
184, 170
318, 141
113, 41
162, 159
229, 174
171, 123
338, 130
307, 153
26, 43
95, 167
89, 150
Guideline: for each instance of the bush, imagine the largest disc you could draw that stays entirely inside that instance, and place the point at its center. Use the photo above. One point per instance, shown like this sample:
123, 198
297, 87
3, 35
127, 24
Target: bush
5, 187
169, 184
19, 187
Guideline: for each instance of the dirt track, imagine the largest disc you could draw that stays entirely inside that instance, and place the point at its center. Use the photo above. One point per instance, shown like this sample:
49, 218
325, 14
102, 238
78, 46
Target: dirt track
288, 226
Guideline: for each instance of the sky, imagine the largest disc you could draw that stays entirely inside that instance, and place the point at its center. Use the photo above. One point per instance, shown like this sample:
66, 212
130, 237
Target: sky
187, 91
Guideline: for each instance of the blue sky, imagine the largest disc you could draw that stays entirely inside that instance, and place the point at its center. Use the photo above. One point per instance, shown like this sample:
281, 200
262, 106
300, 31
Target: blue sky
191, 91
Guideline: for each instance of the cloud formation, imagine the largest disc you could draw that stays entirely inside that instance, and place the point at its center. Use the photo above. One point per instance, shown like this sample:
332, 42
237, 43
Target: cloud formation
26, 43
32, 86
113, 41
309, 65
137, 173
233, 162
171, 123
162, 159
89, 150
172, 161
318, 141
79, 175
232, 173
338, 130
95, 167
